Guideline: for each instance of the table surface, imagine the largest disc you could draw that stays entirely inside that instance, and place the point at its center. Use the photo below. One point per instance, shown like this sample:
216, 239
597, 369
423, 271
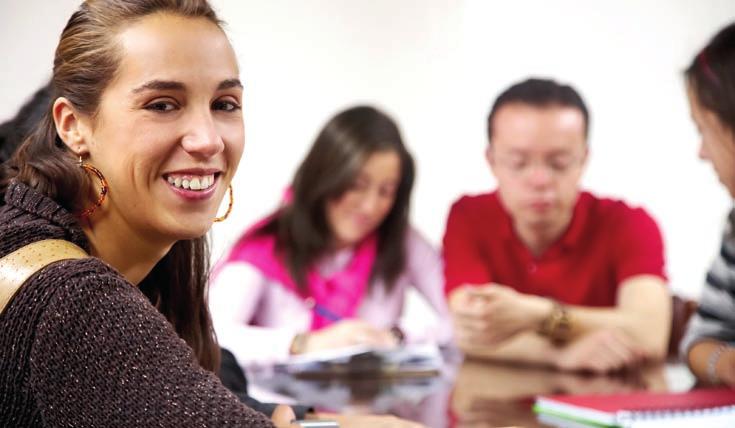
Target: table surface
468, 394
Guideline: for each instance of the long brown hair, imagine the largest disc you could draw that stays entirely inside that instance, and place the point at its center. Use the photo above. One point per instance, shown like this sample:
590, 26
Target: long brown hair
711, 75
327, 172
85, 62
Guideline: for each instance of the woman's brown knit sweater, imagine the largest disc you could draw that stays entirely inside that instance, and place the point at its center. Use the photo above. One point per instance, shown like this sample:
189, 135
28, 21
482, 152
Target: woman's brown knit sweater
81, 347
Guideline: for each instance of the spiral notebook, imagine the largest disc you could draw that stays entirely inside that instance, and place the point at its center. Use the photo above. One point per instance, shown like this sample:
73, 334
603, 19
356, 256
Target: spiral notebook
699, 407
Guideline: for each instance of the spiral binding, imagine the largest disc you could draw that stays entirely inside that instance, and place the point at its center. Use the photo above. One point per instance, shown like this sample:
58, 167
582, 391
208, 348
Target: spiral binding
628, 418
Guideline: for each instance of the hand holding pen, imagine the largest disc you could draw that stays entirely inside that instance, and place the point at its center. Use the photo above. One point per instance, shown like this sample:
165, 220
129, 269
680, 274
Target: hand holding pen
344, 333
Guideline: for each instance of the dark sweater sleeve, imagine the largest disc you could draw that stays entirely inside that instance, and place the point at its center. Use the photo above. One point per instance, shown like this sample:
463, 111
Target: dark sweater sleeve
104, 356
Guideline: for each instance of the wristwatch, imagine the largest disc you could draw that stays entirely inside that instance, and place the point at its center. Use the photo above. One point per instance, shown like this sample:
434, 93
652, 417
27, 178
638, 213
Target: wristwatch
557, 326
398, 334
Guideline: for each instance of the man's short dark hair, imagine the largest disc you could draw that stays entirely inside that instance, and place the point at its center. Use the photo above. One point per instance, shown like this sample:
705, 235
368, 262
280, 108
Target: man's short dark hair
539, 93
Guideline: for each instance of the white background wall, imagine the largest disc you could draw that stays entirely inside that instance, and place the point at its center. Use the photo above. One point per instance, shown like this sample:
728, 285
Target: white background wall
436, 66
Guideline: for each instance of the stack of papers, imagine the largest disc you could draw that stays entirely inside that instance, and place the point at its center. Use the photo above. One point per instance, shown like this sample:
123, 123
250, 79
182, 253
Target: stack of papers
410, 360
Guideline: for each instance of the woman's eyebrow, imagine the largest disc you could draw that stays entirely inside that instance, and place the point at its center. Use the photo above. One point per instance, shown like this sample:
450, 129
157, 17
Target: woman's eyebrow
159, 85
172, 85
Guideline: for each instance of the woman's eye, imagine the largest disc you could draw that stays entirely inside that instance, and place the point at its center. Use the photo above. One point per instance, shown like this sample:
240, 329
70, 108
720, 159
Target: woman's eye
359, 186
388, 192
162, 106
225, 105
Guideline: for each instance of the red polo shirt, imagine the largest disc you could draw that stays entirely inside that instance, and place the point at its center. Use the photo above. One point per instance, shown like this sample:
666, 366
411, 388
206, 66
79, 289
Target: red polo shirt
606, 242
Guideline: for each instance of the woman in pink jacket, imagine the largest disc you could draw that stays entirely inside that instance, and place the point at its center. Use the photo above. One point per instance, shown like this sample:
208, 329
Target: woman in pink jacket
330, 268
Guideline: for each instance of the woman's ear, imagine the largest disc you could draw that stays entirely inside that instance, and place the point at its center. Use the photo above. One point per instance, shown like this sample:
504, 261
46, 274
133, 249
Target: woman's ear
71, 126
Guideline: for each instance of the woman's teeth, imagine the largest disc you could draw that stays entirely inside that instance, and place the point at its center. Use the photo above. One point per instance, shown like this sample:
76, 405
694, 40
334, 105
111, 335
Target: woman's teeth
192, 182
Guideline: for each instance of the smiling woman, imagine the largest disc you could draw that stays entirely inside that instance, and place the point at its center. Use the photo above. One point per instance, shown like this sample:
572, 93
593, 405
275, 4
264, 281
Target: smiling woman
129, 166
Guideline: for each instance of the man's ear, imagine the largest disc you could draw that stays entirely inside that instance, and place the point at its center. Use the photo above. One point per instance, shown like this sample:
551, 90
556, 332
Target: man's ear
585, 156
71, 126
490, 158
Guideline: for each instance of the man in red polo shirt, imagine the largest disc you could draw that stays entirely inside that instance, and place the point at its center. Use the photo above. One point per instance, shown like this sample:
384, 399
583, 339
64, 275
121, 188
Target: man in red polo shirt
540, 272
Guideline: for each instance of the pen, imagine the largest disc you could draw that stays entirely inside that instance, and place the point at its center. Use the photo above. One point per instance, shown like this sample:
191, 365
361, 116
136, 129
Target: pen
322, 311
326, 313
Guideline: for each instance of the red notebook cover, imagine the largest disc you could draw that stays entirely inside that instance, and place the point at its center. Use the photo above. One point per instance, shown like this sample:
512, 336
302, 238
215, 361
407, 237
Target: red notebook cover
694, 399
610, 409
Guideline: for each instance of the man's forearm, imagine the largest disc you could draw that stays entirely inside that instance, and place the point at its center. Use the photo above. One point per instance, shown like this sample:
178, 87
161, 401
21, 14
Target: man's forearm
528, 348
643, 313
649, 331
495, 312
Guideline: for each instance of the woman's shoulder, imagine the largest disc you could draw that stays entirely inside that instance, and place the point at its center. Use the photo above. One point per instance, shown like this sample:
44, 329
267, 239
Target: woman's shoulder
87, 282
421, 254
88, 279
29, 216
16, 233
415, 241
83, 271
101, 329
74, 292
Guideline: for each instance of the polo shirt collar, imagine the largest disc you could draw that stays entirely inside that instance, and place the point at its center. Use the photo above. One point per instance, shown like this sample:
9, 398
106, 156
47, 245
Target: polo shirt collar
570, 237
505, 222
580, 217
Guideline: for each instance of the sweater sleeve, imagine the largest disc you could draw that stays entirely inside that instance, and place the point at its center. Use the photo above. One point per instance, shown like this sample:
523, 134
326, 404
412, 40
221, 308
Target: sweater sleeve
425, 274
104, 356
715, 316
237, 297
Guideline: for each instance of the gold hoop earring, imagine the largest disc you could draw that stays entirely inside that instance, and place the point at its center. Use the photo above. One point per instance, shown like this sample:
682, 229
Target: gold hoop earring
229, 206
103, 183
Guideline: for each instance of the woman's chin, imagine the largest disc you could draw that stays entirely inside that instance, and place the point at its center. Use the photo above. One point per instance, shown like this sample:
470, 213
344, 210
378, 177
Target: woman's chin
192, 229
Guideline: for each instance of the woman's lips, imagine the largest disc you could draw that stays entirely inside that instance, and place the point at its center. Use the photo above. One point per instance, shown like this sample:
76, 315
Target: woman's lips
192, 194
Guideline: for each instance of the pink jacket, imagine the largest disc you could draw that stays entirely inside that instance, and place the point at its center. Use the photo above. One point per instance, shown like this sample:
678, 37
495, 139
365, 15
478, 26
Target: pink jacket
256, 318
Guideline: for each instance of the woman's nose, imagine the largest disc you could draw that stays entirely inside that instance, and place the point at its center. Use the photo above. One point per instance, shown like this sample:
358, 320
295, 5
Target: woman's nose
203, 138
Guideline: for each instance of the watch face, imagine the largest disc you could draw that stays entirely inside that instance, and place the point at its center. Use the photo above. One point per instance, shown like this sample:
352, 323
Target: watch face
558, 325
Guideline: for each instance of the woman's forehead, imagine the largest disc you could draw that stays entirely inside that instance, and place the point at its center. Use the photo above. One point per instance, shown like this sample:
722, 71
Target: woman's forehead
167, 47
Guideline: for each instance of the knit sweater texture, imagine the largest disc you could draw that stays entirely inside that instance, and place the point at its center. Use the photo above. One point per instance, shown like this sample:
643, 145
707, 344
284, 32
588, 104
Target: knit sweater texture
82, 347
715, 316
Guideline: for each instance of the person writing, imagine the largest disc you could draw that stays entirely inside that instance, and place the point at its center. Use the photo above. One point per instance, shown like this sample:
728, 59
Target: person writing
330, 268
540, 272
